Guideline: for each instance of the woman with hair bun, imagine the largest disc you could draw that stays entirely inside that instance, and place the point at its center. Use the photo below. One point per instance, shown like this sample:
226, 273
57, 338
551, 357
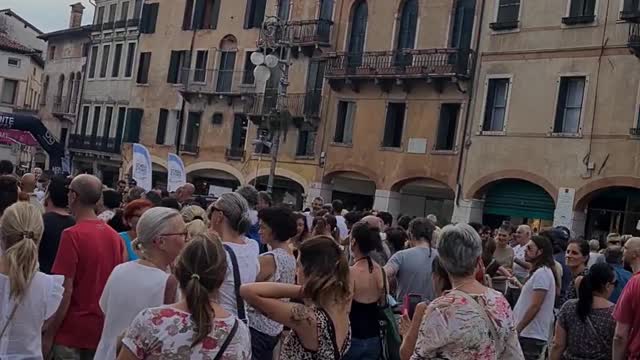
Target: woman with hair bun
146, 282
229, 219
320, 327
27, 297
585, 326
198, 326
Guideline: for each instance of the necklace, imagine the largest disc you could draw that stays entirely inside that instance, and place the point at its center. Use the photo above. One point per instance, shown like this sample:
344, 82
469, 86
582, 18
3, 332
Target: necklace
461, 284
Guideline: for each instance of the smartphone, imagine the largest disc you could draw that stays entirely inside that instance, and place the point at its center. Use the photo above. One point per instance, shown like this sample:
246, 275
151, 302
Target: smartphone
410, 303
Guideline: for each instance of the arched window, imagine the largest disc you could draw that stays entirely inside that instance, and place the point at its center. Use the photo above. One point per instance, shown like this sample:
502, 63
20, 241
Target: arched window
227, 63
462, 27
67, 100
326, 10
358, 33
408, 24
57, 101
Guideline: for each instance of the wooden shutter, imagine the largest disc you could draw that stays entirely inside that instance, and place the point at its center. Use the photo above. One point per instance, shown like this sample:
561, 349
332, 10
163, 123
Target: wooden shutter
198, 14
340, 122
562, 102
174, 63
488, 109
249, 14
162, 126
187, 18
215, 14
132, 127
143, 68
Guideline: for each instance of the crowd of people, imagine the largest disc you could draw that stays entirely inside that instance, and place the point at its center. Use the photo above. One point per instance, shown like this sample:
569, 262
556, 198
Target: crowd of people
88, 272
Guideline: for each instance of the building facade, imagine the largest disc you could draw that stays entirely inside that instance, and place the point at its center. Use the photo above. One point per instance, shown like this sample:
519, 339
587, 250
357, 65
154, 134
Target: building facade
195, 93
96, 139
65, 65
398, 89
553, 136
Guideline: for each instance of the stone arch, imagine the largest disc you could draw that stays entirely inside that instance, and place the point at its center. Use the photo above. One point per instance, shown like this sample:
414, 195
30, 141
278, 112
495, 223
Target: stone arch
361, 170
478, 188
205, 165
399, 184
588, 191
282, 173
229, 43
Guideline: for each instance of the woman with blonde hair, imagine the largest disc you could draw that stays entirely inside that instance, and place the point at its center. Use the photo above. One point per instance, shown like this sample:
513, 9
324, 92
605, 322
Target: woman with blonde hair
196, 219
320, 326
137, 285
28, 298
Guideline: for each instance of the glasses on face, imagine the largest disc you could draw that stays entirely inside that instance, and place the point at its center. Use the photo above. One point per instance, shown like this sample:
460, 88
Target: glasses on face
183, 234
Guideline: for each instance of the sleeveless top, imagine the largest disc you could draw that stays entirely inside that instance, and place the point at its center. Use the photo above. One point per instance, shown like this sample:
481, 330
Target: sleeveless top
127, 243
364, 317
328, 349
285, 273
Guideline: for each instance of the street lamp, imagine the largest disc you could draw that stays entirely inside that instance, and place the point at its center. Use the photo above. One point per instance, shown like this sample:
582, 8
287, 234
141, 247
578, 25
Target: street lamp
270, 43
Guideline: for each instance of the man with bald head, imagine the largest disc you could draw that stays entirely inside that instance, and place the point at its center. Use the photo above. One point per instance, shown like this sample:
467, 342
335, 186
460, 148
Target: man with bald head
184, 194
87, 254
626, 339
28, 186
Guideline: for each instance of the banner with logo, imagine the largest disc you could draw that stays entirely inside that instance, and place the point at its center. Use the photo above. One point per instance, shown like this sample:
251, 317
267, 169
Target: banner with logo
141, 168
176, 176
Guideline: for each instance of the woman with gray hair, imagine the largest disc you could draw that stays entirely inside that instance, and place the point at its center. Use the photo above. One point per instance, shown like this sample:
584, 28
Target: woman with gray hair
137, 285
469, 322
229, 219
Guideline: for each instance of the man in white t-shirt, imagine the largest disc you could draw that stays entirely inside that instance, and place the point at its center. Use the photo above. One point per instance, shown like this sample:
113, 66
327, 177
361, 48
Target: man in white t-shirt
337, 207
533, 312
316, 206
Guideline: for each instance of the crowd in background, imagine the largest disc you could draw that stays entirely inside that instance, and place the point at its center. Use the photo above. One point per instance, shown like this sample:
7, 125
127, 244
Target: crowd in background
91, 272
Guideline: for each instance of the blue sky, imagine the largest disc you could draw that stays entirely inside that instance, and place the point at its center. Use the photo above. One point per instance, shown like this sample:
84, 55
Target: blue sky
47, 15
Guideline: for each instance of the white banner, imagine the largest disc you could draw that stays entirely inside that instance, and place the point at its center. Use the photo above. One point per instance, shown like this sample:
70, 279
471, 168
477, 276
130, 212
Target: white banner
141, 168
176, 176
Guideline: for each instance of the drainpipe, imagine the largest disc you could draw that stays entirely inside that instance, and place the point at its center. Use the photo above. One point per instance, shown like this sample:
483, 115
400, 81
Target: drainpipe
467, 117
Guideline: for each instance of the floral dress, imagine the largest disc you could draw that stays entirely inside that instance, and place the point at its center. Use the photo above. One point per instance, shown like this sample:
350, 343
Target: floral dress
166, 333
454, 329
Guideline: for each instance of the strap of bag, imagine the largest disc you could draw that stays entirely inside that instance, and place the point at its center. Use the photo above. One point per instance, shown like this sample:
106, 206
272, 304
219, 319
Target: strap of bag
227, 341
482, 311
13, 314
236, 283
385, 300
595, 332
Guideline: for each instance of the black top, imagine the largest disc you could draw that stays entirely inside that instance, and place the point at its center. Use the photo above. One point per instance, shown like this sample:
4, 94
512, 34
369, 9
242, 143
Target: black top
54, 224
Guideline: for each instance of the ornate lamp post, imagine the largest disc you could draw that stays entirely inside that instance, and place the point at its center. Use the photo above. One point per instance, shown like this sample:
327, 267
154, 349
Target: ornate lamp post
274, 55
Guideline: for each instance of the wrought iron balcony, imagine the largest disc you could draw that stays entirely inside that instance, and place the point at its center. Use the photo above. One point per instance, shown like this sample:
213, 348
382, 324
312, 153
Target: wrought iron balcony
234, 153
634, 131
309, 32
97, 143
634, 39
305, 105
229, 83
64, 105
190, 148
119, 24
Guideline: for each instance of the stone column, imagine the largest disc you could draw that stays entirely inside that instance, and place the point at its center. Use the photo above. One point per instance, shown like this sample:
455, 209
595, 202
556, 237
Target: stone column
467, 211
386, 200
319, 189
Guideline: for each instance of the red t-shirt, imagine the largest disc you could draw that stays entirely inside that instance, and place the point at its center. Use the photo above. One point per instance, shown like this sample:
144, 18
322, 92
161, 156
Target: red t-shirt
88, 252
627, 311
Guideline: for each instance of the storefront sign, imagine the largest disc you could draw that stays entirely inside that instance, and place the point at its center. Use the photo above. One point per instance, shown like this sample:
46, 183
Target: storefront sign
141, 168
176, 176
563, 215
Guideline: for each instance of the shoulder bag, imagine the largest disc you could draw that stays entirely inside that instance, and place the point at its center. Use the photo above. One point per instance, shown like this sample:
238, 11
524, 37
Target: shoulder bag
237, 281
389, 333
227, 341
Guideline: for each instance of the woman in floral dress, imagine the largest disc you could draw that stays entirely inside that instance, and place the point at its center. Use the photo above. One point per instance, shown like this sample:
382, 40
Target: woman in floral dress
471, 321
197, 327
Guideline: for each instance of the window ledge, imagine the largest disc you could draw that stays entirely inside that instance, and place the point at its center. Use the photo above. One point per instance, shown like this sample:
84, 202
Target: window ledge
444, 152
305, 157
579, 20
491, 133
504, 25
344, 145
565, 135
142, 85
393, 149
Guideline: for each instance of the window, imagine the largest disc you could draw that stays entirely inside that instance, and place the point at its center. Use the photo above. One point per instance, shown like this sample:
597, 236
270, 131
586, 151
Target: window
569, 110
112, 12
99, 16
462, 24
93, 61
85, 121
200, 72
192, 134
149, 18
96, 121
394, 125
408, 25
106, 49
161, 133
239, 133
447, 127
306, 142
9, 91
201, 14
508, 14
630, 10
496, 106
107, 124
52, 53
283, 10
122, 115
358, 34
124, 11
13, 62
117, 57
137, 9
179, 62
143, 68
132, 127
247, 74
254, 14
225, 72
344, 123
580, 12
131, 53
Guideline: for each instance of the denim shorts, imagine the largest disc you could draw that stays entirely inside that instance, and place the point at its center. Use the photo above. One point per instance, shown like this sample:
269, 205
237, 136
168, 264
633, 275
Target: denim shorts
364, 349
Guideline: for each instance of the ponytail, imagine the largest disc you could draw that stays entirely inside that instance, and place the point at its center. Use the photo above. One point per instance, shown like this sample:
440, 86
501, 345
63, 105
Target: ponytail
596, 280
202, 313
22, 260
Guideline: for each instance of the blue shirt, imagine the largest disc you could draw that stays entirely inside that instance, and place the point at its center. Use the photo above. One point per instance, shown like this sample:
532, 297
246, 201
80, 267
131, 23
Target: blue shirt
127, 242
622, 277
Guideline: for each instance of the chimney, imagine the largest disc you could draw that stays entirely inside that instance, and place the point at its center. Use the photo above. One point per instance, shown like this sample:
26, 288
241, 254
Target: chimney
75, 20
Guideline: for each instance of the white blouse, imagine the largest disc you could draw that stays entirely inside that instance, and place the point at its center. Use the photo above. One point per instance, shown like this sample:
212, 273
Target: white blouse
23, 336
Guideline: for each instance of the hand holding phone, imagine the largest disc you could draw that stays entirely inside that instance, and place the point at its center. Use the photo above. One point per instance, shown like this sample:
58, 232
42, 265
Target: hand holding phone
409, 304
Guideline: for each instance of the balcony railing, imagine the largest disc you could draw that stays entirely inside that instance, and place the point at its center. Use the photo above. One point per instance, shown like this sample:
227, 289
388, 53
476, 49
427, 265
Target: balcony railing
400, 64
119, 24
634, 38
190, 148
234, 153
305, 105
634, 131
98, 143
216, 82
64, 105
309, 32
